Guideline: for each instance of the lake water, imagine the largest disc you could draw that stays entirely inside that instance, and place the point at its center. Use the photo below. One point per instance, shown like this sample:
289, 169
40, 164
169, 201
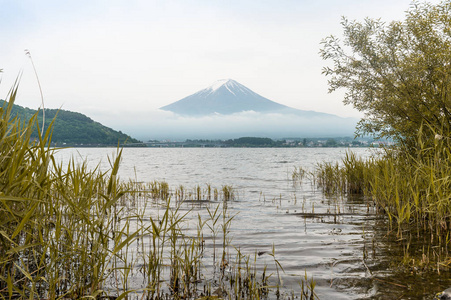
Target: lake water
339, 242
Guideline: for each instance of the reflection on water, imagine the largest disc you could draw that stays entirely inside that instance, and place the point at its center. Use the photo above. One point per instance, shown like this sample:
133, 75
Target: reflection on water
342, 243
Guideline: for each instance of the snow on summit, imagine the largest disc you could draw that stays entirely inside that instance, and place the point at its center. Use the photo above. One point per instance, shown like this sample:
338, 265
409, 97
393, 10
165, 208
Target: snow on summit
217, 84
225, 97
228, 108
231, 85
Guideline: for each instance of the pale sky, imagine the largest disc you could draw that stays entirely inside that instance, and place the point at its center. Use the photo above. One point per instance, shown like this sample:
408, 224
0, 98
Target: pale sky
118, 58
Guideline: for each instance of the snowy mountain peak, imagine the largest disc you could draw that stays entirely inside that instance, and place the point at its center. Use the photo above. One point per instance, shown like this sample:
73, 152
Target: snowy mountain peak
225, 96
217, 84
229, 84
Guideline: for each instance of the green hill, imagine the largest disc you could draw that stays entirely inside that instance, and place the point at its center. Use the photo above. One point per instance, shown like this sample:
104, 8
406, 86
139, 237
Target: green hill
74, 129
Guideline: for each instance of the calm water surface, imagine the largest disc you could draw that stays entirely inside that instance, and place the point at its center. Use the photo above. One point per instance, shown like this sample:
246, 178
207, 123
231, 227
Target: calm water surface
344, 253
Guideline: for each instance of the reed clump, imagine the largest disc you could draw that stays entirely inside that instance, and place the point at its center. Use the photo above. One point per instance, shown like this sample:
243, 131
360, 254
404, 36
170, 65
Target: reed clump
57, 233
411, 186
347, 177
70, 232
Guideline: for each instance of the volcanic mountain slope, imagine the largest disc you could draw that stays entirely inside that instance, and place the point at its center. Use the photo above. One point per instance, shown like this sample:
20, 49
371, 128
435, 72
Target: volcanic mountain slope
228, 97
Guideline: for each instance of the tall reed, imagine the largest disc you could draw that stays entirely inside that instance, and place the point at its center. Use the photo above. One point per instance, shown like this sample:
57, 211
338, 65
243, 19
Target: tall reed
55, 221
412, 187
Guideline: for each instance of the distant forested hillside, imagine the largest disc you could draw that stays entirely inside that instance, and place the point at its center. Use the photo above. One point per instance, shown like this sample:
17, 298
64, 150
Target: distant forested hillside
74, 129
252, 142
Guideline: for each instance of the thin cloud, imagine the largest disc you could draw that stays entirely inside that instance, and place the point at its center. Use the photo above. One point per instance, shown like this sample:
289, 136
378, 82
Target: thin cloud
159, 124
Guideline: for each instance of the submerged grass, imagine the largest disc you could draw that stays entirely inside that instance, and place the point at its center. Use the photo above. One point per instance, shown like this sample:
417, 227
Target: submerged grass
413, 188
71, 232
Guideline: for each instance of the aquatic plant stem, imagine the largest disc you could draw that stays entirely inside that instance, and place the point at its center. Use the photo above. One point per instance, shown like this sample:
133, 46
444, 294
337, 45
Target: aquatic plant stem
27, 53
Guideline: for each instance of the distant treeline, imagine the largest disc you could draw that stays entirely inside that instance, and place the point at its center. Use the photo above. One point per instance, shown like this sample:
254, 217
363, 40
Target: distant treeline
250, 142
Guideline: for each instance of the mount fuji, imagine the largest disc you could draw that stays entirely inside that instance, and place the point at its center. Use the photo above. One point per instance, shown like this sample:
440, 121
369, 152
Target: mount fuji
227, 109
227, 97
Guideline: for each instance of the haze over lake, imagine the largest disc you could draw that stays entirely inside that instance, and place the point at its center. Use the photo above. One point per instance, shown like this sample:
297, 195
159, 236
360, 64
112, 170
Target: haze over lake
227, 109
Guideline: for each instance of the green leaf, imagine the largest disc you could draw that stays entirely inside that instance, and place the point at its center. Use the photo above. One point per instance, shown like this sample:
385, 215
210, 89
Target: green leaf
125, 242
10, 286
24, 220
124, 294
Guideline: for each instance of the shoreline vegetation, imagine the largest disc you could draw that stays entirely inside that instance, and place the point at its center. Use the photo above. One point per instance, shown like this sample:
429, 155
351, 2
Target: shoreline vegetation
398, 74
70, 232
412, 190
